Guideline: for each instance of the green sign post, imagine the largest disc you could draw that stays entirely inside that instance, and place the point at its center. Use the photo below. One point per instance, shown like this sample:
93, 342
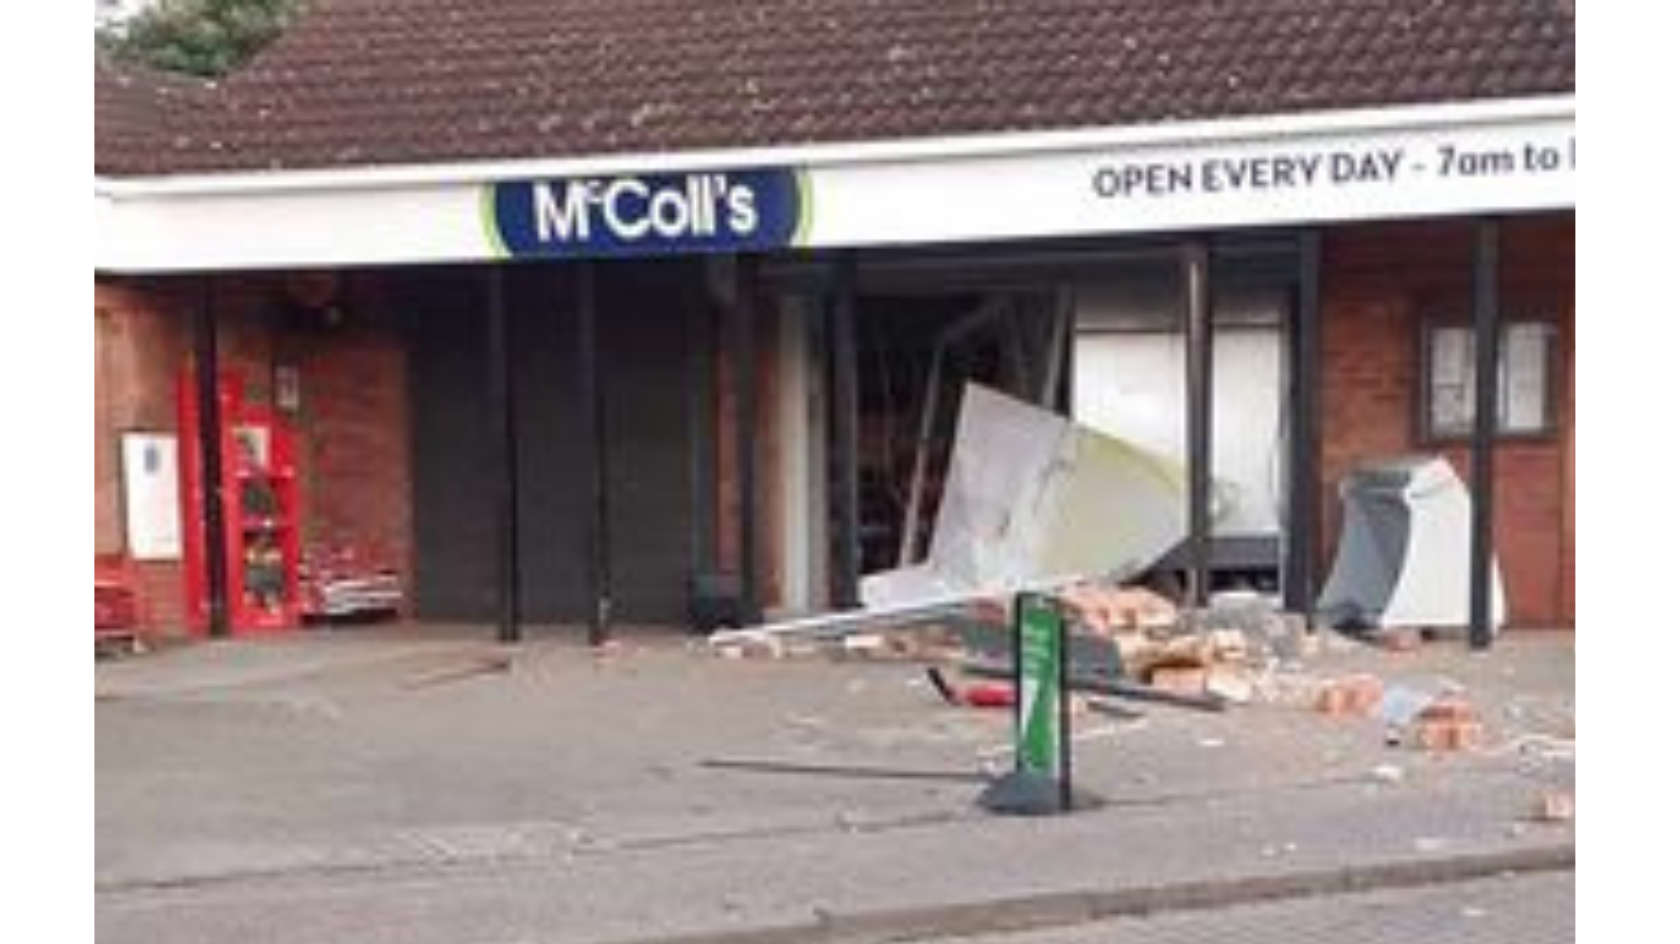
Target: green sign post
1039, 738
1042, 779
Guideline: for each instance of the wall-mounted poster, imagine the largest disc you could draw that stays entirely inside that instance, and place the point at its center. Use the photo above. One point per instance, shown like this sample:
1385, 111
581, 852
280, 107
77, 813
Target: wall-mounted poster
151, 496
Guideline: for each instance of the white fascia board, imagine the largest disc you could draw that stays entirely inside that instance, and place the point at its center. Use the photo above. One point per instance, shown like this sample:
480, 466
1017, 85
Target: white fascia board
898, 150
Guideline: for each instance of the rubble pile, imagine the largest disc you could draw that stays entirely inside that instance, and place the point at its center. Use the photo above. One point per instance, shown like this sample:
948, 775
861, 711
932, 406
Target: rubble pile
1239, 650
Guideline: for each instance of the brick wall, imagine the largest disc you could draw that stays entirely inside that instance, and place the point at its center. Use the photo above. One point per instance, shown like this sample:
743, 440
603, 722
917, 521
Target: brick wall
140, 341
353, 428
767, 451
1381, 283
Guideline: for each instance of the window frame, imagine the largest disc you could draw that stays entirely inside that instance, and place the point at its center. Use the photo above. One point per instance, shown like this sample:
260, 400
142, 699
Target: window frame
1429, 435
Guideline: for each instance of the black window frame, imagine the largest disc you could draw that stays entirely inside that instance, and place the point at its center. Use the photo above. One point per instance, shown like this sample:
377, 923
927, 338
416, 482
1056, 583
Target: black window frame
1429, 435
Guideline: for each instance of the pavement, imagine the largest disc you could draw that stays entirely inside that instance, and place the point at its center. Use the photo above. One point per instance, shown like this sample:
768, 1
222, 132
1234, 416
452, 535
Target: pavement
409, 784
1533, 909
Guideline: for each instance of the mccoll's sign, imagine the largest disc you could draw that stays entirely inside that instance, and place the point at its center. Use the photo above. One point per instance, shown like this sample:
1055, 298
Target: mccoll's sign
650, 214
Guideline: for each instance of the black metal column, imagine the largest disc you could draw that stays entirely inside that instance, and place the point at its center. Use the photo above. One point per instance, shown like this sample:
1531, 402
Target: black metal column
210, 460
1302, 538
1198, 401
503, 458
702, 426
743, 324
844, 480
596, 535
1486, 288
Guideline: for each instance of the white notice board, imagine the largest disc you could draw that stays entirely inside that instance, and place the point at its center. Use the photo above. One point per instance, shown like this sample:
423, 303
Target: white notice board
151, 496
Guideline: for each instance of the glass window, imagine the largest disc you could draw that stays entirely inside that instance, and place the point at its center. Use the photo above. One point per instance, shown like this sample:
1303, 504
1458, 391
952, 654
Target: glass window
1524, 369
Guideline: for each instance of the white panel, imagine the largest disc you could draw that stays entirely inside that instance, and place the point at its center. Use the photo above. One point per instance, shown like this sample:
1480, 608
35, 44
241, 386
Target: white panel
1131, 386
151, 496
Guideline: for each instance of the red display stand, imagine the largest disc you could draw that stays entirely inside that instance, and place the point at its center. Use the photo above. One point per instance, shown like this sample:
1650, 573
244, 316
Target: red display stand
258, 497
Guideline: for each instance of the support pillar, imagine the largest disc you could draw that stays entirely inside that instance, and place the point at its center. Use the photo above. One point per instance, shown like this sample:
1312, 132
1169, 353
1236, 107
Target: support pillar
743, 324
1198, 377
843, 369
1486, 309
1305, 429
210, 453
503, 459
703, 446
598, 576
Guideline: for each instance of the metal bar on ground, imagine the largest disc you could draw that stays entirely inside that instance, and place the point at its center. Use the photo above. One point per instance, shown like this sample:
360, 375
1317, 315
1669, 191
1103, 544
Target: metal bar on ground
843, 770
503, 456
848, 622
844, 367
743, 327
597, 537
1198, 376
1486, 289
1109, 686
1302, 538
210, 459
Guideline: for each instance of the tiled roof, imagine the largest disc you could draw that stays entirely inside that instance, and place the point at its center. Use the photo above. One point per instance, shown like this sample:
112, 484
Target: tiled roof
358, 82
134, 108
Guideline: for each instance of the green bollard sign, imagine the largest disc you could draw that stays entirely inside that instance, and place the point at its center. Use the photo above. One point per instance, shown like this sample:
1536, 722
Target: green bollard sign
1038, 735
1041, 709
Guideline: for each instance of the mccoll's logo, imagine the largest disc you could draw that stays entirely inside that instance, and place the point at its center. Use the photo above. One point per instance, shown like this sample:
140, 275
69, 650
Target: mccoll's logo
657, 213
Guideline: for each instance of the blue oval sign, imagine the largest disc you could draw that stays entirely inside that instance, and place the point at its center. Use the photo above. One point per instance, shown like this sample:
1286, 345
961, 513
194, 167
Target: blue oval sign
651, 214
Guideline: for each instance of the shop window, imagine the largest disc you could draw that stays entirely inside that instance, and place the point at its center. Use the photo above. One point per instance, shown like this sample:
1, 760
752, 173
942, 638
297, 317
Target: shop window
1524, 384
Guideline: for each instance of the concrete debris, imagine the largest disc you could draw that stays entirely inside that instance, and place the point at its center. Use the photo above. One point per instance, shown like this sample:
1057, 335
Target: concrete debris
1181, 680
1106, 610
1448, 723
1400, 705
866, 644
1352, 695
1555, 806
1388, 773
1398, 639
1230, 683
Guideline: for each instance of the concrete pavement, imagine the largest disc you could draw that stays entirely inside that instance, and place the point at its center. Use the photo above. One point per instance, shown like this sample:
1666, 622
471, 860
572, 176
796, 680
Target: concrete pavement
1533, 909
392, 785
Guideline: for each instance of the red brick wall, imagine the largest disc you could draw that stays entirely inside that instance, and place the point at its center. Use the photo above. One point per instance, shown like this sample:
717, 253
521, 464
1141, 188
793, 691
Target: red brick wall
140, 342
353, 428
353, 432
1380, 283
767, 450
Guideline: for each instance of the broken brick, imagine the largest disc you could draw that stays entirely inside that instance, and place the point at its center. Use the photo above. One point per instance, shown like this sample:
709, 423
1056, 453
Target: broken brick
1184, 680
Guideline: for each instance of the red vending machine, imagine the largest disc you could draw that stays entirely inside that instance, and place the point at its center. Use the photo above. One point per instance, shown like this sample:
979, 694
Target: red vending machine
259, 506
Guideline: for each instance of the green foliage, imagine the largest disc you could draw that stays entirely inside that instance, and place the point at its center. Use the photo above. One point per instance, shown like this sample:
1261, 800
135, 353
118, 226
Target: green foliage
206, 38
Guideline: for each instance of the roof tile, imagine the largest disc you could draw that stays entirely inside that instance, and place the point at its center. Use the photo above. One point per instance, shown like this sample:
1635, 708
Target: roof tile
406, 81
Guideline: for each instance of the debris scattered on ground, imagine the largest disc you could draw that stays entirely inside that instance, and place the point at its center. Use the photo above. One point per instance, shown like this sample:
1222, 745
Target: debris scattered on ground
1555, 806
1398, 639
1449, 723
1388, 773
1401, 704
1230, 684
1350, 695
